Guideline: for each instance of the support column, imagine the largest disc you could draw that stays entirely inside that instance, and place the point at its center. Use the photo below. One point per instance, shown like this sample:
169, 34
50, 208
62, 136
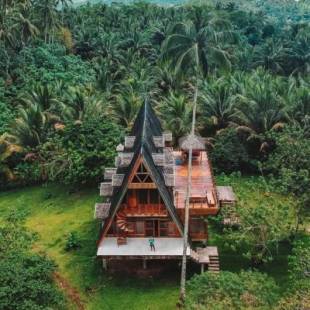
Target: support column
202, 268
144, 264
105, 264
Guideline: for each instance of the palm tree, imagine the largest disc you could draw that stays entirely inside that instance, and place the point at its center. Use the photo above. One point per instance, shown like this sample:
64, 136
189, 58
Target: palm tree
29, 128
218, 103
43, 97
48, 14
24, 26
125, 106
298, 100
64, 5
299, 56
81, 104
271, 56
260, 107
176, 113
7, 149
187, 47
167, 78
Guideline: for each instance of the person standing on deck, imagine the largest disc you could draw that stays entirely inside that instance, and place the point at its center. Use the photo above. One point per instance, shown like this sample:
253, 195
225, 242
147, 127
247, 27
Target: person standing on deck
152, 244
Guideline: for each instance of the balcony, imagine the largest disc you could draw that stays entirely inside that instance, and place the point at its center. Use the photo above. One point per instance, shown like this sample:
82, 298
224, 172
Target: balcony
158, 210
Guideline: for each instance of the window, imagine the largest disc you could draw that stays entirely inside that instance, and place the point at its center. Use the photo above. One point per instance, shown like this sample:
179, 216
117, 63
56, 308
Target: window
197, 225
149, 228
163, 228
154, 196
143, 196
142, 176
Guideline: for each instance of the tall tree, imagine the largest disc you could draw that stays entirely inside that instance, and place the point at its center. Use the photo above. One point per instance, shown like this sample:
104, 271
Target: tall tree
187, 47
176, 113
48, 14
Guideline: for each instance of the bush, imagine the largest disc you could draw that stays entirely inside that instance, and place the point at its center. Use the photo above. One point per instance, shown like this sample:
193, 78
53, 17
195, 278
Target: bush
6, 116
73, 242
229, 153
80, 152
227, 290
26, 279
48, 64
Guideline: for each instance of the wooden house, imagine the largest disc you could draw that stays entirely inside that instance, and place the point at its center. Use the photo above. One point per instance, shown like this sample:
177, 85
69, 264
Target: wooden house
145, 197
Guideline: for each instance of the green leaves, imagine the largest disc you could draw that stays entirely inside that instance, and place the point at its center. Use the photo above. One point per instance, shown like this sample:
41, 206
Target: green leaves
25, 278
227, 290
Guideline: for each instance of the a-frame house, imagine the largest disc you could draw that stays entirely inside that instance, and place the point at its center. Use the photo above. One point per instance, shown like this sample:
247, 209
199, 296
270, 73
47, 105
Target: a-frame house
145, 197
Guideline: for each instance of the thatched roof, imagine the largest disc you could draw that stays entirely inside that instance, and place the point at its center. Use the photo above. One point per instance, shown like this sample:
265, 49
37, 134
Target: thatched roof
192, 141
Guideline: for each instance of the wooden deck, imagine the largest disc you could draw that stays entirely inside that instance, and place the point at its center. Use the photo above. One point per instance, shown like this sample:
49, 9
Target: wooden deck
226, 194
203, 193
139, 247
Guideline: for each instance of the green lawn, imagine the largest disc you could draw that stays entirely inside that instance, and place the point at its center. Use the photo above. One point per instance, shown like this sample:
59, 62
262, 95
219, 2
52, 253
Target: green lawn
53, 212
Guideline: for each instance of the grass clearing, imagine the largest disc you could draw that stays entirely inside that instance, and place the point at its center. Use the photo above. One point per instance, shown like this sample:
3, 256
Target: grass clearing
52, 212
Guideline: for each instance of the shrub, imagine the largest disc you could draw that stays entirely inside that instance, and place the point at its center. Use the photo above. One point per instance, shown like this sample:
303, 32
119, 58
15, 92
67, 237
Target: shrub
26, 280
6, 116
227, 290
73, 242
229, 153
80, 152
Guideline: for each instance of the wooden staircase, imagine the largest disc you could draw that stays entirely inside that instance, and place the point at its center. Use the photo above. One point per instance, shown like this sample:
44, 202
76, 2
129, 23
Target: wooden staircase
231, 218
207, 256
214, 265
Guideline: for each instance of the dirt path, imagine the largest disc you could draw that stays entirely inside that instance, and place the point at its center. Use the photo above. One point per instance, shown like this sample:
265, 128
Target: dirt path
71, 293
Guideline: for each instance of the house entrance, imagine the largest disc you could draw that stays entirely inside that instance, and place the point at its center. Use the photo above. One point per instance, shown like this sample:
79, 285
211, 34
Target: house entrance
151, 228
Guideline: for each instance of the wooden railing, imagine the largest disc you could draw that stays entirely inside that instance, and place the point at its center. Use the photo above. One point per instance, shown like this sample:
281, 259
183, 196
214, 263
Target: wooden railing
199, 235
214, 193
145, 210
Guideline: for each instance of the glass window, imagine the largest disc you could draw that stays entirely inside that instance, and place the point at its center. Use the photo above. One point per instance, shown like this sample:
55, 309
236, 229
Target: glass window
163, 227
149, 228
154, 196
142, 194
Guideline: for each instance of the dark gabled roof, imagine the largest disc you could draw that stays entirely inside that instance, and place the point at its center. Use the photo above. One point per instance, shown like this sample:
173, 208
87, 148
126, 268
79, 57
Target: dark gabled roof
146, 126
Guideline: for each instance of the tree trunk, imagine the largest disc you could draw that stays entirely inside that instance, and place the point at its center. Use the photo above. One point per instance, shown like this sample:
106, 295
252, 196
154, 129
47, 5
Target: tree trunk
188, 194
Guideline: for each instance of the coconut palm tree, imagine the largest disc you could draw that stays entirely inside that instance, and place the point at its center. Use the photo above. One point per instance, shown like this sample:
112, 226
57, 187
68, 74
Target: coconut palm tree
64, 5
188, 48
298, 100
7, 149
43, 97
125, 106
260, 108
82, 103
48, 14
176, 112
218, 104
29, 128
270, 56
24, 26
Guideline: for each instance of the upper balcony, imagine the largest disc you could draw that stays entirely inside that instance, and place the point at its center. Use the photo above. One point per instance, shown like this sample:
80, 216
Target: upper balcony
203, 199
145, 210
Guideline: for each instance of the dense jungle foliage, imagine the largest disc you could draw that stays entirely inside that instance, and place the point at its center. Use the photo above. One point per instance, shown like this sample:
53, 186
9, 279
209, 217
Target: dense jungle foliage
67, 71
72, 79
